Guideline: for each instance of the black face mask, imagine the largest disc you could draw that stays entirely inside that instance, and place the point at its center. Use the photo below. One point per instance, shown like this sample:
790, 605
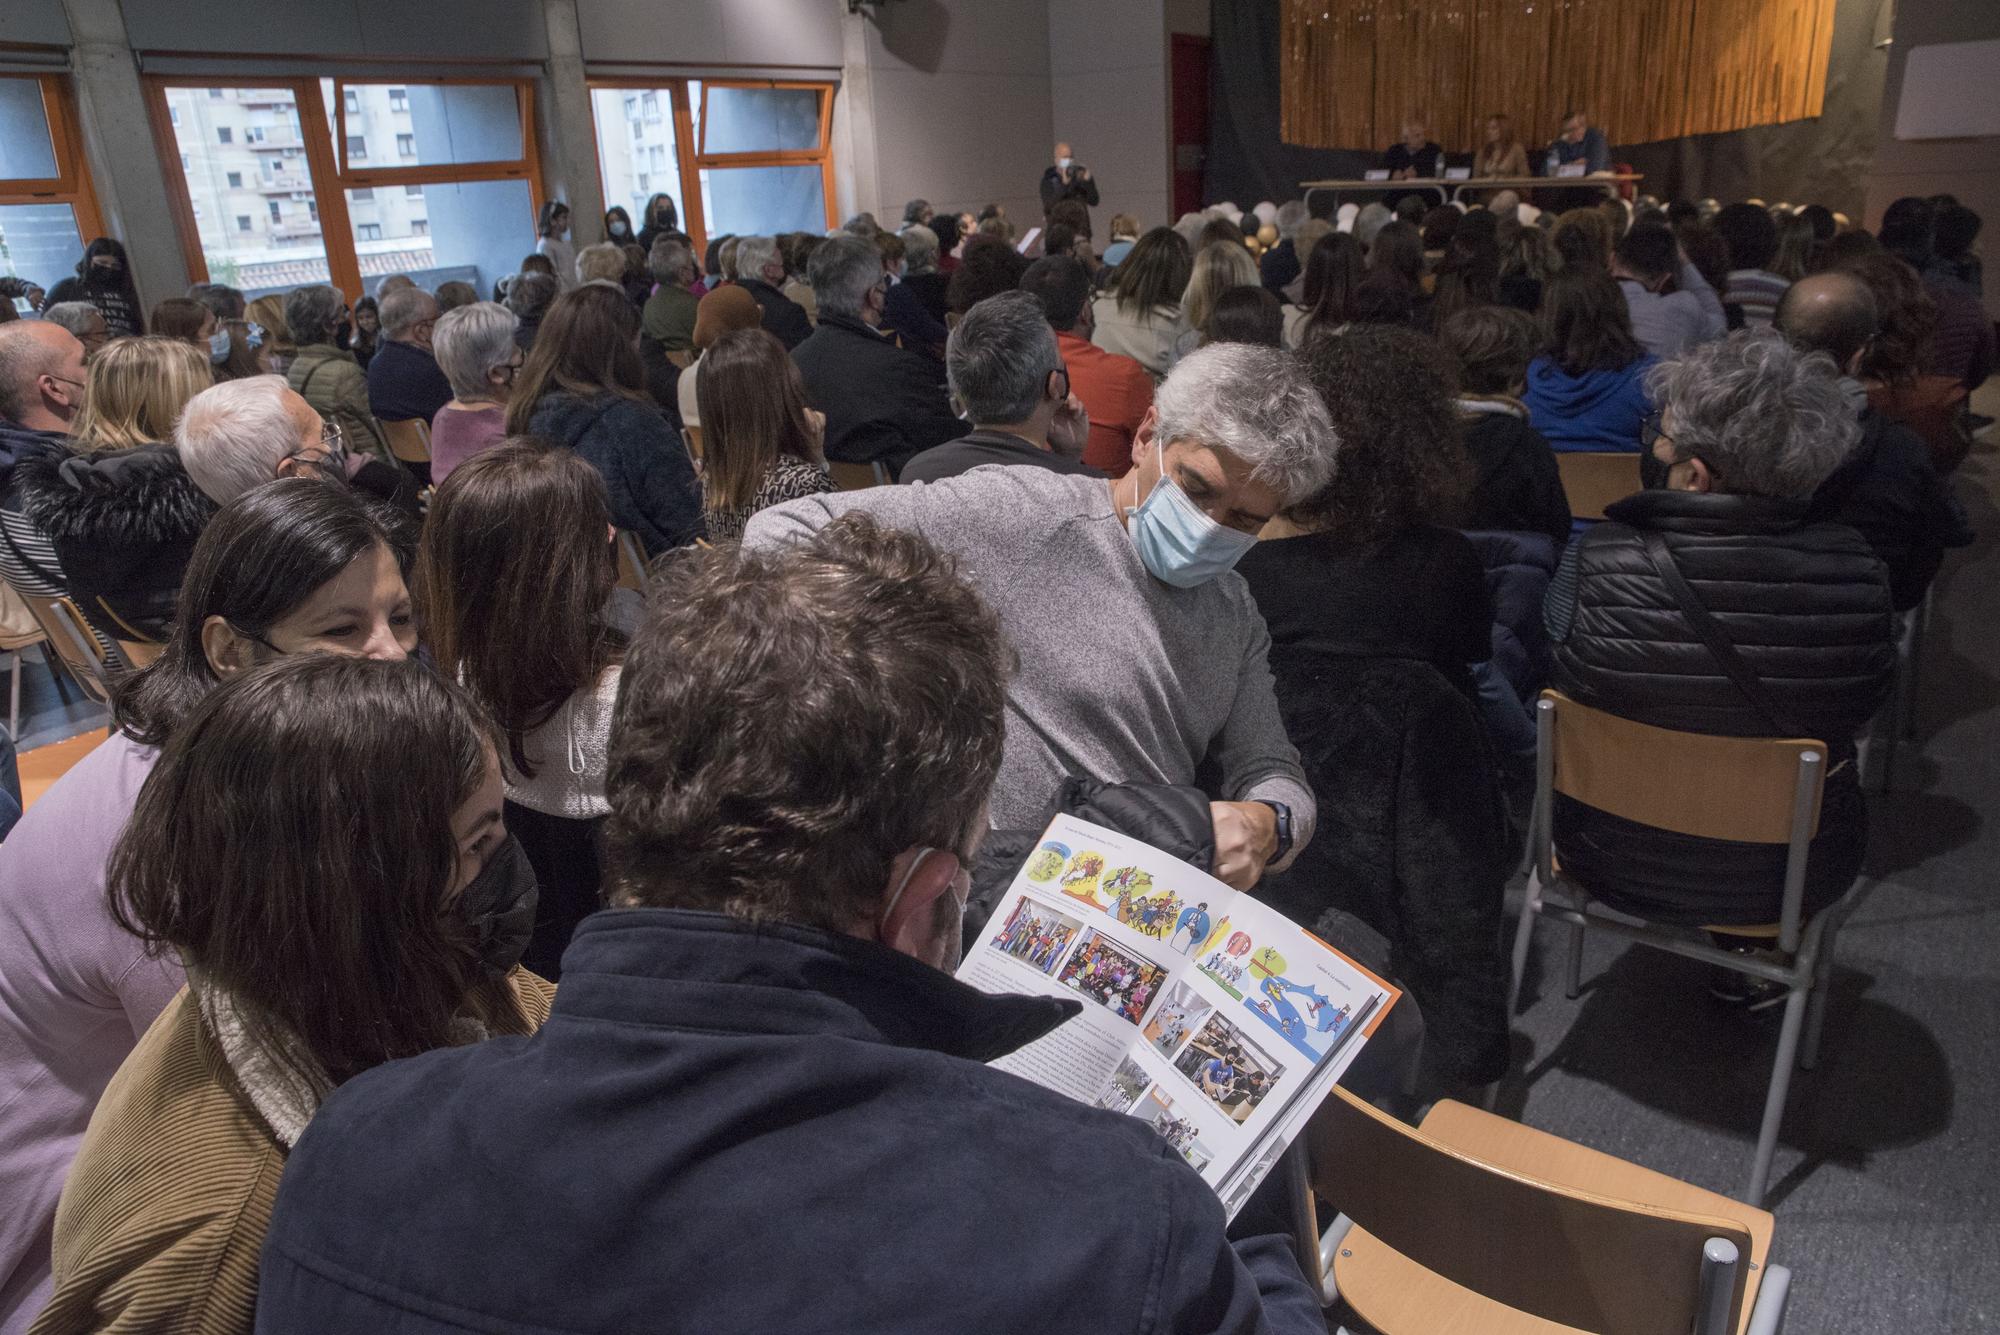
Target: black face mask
343, 334
1652, 472
499, 906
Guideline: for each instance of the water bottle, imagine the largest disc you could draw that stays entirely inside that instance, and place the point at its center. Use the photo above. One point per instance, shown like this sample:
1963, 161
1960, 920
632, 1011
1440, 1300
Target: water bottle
1440, 166
1555, 162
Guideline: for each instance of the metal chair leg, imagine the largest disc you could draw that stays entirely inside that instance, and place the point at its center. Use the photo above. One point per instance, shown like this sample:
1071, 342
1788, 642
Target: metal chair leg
1524, 933
1822, 989
1774, 1100
1574, 982
14, 698
1719, 1260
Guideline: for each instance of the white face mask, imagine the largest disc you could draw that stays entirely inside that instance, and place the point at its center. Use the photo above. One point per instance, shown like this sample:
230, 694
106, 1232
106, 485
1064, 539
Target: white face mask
1065, 163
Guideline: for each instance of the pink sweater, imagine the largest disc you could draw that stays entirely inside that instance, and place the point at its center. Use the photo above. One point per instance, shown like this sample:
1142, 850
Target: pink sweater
76, 992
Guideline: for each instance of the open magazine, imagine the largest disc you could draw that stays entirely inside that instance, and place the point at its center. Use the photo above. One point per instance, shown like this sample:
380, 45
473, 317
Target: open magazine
1206, 1013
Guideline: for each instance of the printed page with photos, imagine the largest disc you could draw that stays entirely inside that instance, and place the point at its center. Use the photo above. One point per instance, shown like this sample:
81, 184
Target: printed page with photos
1211, 1016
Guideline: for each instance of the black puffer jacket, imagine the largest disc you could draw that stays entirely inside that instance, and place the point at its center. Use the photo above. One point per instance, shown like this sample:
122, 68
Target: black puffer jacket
124, 523
1889, 492
1807, 607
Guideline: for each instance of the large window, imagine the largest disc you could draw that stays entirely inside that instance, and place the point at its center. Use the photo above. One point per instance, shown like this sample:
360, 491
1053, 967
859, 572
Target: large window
463, 157
47, 210
736, 157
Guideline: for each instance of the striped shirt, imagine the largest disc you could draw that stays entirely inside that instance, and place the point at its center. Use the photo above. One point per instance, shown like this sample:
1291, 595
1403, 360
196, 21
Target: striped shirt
1756, 292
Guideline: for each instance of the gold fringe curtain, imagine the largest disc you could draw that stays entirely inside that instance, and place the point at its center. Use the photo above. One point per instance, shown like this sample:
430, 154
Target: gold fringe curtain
1351, 70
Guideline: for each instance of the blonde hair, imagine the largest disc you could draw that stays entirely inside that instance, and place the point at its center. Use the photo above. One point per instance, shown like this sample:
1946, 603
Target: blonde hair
136, 391
1220, 266
602, 262
270, 313
1124, 227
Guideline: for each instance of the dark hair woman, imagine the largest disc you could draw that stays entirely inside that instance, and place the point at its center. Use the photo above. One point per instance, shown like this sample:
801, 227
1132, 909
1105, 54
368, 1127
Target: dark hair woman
184, 319
1469, 274
989, 267
761, 443
1518, 489
618, 226
1334, 269
365, 337
1246, 315
1906, 313
1380, 625
1140, 315
290, 567
484, 593
104, 279
552, 241
322, 844
1587, 391
1396, 258
583, 387
660, 217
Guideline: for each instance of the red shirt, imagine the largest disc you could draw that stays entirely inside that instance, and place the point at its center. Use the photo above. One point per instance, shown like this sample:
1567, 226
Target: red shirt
1116, 392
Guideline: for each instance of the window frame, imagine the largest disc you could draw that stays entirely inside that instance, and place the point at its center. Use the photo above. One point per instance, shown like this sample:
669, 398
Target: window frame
324, 145
693, 157
71, 184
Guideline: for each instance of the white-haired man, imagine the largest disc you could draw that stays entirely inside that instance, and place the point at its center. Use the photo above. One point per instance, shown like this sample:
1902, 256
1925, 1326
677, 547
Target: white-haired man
243, 433
404, 381
1142, 656
760, 271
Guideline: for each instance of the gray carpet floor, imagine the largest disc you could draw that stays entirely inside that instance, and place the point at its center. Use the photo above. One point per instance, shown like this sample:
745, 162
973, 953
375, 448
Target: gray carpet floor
1887, 1179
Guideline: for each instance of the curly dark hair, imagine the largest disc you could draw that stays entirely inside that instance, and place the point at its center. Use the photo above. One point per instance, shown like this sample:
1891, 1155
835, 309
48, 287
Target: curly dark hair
1906, 312
988, 267
1402, 461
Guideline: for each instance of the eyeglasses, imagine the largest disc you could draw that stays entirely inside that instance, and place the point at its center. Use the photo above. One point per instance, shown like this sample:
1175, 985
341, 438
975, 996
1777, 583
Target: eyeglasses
1652, 430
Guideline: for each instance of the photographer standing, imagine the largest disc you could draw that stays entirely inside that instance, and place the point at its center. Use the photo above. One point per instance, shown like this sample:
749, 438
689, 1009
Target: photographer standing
1067, 179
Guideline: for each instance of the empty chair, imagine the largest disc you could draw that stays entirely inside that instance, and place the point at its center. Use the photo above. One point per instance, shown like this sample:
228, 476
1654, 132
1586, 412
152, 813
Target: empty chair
1594, 479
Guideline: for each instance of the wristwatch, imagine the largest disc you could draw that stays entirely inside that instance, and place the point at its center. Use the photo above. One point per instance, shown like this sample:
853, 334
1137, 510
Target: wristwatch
1284, 814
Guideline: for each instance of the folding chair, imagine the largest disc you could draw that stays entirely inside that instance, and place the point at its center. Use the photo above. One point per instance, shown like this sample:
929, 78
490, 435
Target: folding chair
1749, 789
1896, 721
69, 635
631, 561
855, 477
19, 629
1471, 1222
1593, 480
409, 441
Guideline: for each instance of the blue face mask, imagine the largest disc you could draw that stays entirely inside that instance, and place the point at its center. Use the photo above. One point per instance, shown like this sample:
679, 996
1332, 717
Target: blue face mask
218, 346
1177, 542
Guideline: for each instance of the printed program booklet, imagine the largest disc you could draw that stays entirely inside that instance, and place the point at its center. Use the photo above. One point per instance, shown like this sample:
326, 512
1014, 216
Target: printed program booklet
1211, 1016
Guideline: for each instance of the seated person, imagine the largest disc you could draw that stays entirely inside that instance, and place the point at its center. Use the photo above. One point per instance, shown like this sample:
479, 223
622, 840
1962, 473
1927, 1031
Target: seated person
1007, 375
1587, 389
883, 404
1236, 432
321, 845
761, 273
1414, 155
404, 381
1378, 612
1580, 141
761, 444
477, 353
290, 568
1115, 391
668, 317
1516, 487
761, 1036
242, 433
1646, 261
1887, 489
1748, 429
485, 593
1752, 238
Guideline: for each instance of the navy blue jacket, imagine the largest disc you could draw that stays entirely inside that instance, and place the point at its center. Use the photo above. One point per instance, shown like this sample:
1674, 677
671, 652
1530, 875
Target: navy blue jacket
647, 473
404, 382
731, 1128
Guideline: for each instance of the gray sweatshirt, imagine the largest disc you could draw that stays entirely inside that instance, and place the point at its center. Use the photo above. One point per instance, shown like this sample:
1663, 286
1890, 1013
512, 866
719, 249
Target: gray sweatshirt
1121, 678
1669, 325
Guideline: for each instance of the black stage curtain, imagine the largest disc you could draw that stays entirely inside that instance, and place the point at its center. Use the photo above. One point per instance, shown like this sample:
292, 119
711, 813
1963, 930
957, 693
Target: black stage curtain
1824, 160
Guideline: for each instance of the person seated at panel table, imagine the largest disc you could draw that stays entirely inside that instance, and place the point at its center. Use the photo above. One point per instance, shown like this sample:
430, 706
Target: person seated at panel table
1415, 155
1580, 141
1502, 154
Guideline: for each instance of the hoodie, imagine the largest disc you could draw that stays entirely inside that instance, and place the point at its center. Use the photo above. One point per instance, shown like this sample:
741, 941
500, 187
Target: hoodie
1598, 410
124, 523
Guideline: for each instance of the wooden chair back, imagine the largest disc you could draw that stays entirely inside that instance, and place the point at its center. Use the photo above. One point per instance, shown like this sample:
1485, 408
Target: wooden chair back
1593, 480
631, 561
855, 477
69, 635
692, 435
409, 441
681, 357
1560, 1253
19, 627
1740, 788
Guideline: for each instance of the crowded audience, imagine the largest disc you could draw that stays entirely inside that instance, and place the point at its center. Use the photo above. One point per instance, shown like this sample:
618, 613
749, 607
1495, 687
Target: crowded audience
1264, 509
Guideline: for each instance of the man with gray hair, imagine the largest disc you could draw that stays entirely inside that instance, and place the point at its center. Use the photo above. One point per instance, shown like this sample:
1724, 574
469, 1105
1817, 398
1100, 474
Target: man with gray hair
1714, 602
760, 271
1142, 656
404, 381
668, 316
83, 320
1282, 263
1006, 374
883, 403
243, 433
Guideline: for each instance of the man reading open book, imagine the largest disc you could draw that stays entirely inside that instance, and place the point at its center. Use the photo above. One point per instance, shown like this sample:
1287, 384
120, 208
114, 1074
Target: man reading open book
760, 1103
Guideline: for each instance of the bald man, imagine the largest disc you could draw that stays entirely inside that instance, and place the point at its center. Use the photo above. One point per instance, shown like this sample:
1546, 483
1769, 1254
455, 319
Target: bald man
1887, 490
1067, 178
41, 388
404, 381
